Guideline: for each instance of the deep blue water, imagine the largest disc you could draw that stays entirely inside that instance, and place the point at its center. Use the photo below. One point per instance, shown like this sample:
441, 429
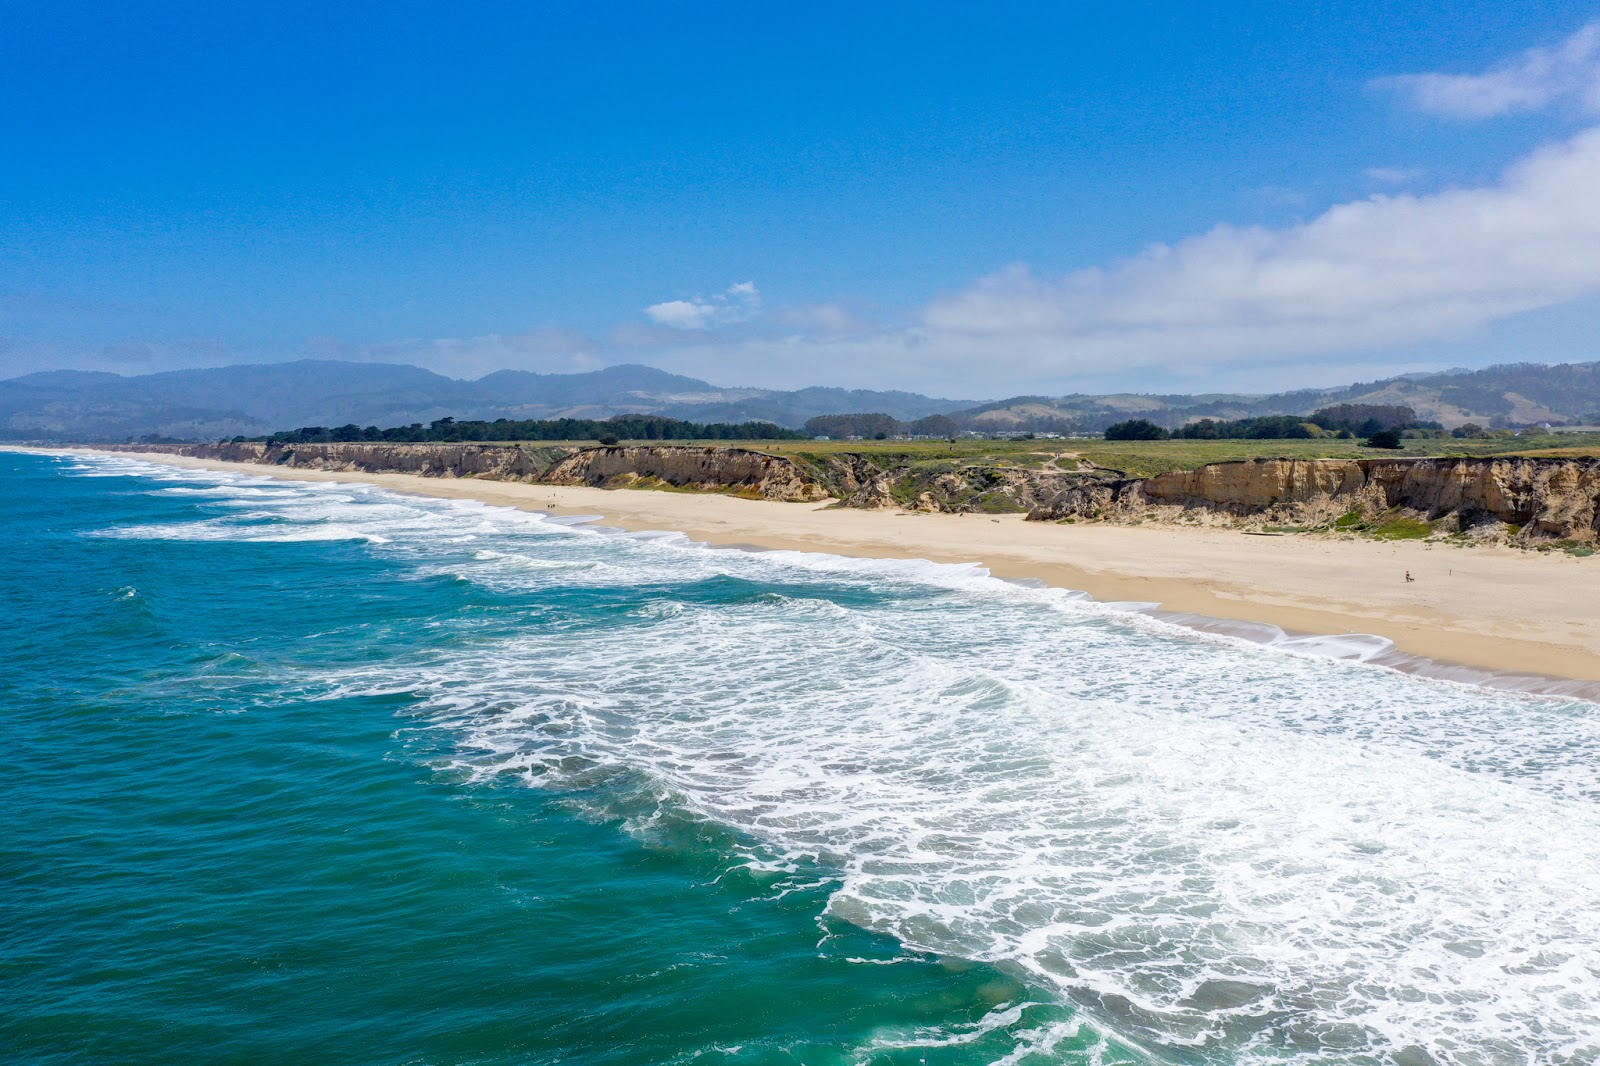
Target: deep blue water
313, 772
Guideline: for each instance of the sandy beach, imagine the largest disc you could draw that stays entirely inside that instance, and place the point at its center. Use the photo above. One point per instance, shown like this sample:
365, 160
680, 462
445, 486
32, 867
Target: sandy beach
1496, 609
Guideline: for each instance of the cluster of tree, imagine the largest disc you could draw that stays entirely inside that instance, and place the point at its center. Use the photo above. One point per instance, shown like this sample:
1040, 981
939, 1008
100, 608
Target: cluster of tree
1136, 429
1365, 419
880, 427
1380, 425
1473, 431
1266, 427
608, 431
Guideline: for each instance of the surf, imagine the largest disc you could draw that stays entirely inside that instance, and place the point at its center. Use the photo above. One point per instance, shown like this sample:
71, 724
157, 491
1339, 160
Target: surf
1165, 842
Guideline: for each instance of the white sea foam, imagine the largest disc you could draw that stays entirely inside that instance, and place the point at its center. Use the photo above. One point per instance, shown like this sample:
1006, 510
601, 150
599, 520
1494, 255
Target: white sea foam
1272, 858
231, 492
246, 533
1214, 838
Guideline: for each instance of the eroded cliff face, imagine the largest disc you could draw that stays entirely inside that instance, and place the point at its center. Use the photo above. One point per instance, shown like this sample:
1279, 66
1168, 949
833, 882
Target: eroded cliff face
709, 469
427, 460
854, 480
1557, 498
744, 473
1249, 487
1528, 499
1548, 497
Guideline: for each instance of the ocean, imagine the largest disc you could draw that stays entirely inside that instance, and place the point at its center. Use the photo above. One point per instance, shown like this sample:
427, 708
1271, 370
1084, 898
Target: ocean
314, 772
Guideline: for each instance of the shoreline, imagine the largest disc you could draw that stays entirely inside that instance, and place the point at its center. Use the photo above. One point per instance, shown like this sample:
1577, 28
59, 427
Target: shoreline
1495, 611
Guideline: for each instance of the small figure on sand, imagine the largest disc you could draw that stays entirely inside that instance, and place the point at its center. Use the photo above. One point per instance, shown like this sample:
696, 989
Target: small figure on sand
1409, 577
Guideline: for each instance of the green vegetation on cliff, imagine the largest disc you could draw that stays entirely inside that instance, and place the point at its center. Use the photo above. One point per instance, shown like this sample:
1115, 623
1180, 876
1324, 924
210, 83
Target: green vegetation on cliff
1146, 458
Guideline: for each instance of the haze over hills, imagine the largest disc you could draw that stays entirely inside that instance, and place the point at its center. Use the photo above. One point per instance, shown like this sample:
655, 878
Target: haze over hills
1511, 394
264, 398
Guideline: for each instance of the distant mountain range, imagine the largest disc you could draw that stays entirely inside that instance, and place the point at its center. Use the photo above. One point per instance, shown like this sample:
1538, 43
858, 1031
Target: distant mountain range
265, 398
66, 405
1513, 394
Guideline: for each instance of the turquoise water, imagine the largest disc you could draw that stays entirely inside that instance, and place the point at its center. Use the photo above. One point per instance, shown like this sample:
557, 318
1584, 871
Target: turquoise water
313, 772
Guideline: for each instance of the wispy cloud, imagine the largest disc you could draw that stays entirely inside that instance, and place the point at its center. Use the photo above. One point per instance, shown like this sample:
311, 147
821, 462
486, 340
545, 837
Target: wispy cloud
1358, 282
1249, 305
1347, 288
736, 303
1384, 270
1530, 81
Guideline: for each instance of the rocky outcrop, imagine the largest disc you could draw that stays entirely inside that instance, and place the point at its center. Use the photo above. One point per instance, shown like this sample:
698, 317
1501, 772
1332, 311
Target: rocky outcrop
1539, 497
953, 486
708, 469
1548, 497
854, 480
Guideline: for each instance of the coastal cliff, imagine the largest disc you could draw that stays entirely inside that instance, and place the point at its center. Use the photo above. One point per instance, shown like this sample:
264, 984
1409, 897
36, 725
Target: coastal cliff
852, 479
1522, 499
1533, 498
742, 472
487, 461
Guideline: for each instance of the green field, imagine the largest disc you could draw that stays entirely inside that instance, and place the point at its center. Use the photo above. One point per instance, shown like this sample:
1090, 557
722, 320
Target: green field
1144, 458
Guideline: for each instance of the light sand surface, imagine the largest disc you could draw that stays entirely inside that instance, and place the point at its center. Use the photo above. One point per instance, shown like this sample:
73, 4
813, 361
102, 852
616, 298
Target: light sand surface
1499, 609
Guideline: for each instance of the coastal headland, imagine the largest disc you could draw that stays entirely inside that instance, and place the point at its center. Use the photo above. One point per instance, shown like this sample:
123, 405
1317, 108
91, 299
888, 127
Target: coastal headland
1500, 609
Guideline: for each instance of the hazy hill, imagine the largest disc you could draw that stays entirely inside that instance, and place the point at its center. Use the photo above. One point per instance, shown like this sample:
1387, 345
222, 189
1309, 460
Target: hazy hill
265, 398
793, 408
1512, 394
220, 401
613, 385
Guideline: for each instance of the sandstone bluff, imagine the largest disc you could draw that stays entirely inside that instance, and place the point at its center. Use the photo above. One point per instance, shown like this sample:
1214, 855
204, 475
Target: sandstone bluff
1523, 499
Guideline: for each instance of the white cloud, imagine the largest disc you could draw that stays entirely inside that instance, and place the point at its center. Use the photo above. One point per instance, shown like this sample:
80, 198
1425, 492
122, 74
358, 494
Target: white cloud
736, 303
1388, 270
682, 314
1360, 289
1533, 80
1357, 291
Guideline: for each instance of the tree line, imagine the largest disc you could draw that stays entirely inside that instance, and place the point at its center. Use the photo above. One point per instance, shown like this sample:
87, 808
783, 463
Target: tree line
875, 426
607, 431
1380, 423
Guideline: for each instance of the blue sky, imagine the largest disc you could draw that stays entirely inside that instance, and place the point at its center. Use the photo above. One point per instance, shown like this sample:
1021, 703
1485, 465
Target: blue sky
963, 200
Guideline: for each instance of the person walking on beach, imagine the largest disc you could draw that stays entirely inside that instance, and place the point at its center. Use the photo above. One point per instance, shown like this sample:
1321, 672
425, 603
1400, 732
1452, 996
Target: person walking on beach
1409, 578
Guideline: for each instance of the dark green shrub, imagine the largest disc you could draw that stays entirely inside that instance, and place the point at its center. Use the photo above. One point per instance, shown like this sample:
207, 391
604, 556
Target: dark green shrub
1136, 429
